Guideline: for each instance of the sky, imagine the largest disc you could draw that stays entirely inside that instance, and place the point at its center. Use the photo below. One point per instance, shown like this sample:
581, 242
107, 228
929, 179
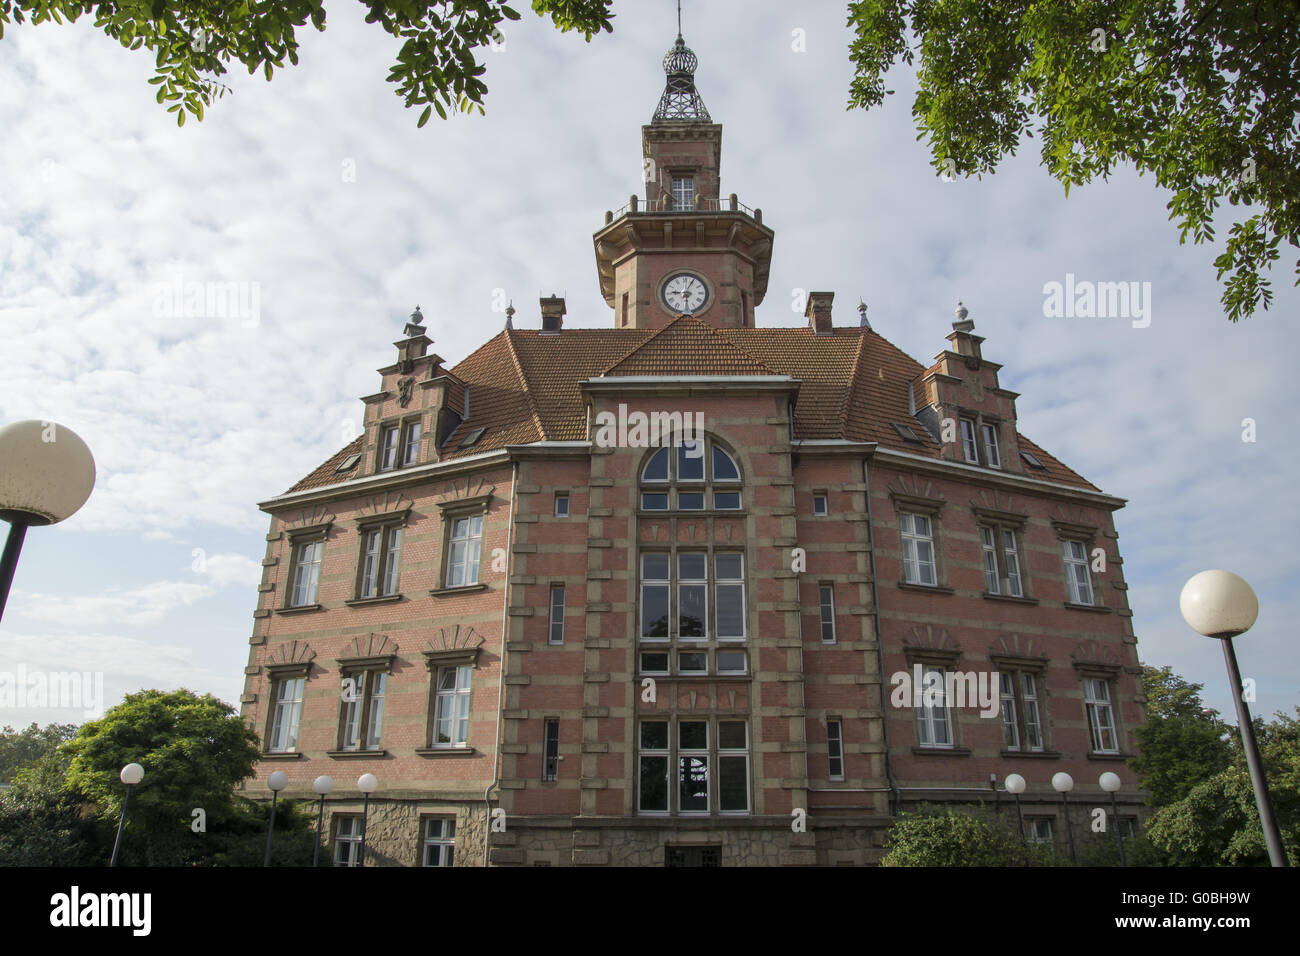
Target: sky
333, 216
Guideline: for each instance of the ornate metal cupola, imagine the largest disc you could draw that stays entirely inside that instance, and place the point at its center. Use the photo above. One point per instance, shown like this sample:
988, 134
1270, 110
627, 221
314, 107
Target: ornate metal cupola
681, 101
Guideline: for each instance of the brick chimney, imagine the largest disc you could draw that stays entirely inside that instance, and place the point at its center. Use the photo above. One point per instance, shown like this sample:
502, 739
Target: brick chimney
552, 314
818, 312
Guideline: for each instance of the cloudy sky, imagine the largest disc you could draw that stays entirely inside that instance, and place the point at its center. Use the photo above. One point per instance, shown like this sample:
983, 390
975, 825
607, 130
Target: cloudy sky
317, 193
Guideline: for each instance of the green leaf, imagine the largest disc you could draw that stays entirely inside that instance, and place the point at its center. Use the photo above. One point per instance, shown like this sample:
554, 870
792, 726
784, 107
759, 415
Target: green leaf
424, 117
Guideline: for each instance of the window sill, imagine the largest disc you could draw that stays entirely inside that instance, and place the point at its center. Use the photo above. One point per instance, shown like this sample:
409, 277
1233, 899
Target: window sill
356, 753
280, 755
1031, 754
1010, 598
445, 751
926, 588
1114, 756
1095, 608
300, 609
463, 589
381, 599
941, 751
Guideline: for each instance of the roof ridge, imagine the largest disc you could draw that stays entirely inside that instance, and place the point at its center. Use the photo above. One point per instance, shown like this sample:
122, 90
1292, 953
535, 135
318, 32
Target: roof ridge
525, 385
696, 323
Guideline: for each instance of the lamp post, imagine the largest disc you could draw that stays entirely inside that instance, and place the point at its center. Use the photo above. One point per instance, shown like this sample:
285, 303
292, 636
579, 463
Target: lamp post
131, 774
1220, 604
1110, 783
322, 785
1063, 783
1015, 785
46, 474
366, 783
276, 782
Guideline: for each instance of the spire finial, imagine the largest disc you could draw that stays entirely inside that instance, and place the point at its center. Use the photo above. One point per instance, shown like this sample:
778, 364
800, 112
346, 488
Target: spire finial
962, 324
510, 315
862, 314
680, 100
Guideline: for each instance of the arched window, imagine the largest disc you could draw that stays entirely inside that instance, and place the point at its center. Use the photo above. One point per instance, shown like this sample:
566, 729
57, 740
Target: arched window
693, 476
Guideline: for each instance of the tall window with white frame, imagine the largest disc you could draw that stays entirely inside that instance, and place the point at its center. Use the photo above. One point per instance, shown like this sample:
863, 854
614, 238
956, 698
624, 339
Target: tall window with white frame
465, 543
1101, 715
285, 714
381, 549
399, 445
305, 574
451, 706
1001, 561
363, 709
1022, 723
969, 446
557, 615
992, 457
1078, 579
439, 841
933, 716
918, 549
411, 443
683, 193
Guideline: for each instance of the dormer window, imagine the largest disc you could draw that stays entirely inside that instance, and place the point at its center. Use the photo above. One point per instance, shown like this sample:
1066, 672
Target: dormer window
683, 193
388, 448
991, 456
399, 445
412, 444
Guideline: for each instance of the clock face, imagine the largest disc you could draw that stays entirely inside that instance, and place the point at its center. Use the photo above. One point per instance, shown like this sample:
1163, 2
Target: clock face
685, 293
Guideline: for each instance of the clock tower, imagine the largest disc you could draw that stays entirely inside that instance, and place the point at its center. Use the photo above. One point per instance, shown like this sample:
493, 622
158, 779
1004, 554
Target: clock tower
683, 248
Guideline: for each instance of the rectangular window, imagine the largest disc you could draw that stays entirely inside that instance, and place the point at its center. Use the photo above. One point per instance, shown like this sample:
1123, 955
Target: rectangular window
654, 596
732, 662
692, 595
551, 750
835, 749
411, 445
347, 840
1039, 829
1101, 717
557, 614
1001, 564
726, 500
306, 572
1033, 720
918, 549
820, 506
1077, 578
466, 541
363, 709
388, 438
933, 719
826, 600
451, 707
692, 662
690, 500
288, 711
968, 445
439, 841
561, 506
654, 501
729, 595
710, 774
991, 456
381, 556
652, 776
654, 662
1010, 725
1022, 726
683, 193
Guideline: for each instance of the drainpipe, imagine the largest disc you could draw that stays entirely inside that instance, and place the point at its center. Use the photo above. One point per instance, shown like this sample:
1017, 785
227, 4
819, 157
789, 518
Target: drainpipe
895, 796
501, 676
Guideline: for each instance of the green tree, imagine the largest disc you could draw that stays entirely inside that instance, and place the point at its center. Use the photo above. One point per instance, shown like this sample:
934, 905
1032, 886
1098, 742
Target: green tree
1217, 822
194, 751
22, 748
1182, 741
1202, 94
933, 837
194, 40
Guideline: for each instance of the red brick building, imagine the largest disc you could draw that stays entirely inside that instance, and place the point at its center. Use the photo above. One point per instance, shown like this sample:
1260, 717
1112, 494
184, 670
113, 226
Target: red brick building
555, 641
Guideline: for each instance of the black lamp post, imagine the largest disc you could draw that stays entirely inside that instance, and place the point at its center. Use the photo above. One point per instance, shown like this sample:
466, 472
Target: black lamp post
366, 783
323, 785
1015, 785
1222, 605
1110, 783
276, 782
1063, 783
131, 774
46, 474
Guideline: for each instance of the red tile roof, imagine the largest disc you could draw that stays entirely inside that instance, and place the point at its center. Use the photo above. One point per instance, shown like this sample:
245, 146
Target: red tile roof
524, 385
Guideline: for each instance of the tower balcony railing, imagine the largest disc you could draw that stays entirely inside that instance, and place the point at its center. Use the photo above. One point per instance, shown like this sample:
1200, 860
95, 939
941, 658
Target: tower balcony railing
636, 205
